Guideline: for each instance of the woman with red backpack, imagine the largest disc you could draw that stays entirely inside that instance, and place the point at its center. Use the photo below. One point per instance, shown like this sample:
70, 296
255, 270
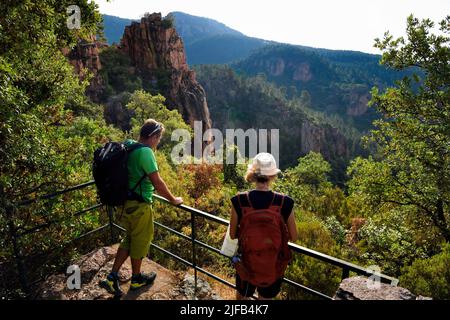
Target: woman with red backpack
264, 222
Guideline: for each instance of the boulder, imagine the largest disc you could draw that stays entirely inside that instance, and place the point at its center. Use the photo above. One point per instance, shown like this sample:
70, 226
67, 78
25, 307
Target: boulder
362, 288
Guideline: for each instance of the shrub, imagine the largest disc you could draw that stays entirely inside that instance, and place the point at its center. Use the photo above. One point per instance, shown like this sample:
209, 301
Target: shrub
429, 277
311, 272
168, 22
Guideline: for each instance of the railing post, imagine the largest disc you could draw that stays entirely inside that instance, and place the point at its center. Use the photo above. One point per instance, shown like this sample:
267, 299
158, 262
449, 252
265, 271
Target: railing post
345, 273
194, 257
111, 222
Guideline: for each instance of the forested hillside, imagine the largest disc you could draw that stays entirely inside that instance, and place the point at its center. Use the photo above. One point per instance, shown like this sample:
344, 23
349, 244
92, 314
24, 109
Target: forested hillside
337, 82
252, 102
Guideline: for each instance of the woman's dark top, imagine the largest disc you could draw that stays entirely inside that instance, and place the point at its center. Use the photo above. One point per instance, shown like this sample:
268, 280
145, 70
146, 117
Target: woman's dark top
261, 200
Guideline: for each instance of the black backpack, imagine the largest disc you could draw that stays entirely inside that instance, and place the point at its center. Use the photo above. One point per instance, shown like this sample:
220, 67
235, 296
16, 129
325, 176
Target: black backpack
110, 171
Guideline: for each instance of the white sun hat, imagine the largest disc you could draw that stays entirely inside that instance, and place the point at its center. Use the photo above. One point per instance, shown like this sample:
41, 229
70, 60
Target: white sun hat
264, 164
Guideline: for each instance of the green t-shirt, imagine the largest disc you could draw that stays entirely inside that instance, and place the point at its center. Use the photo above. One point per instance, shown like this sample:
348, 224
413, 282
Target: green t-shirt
141, 161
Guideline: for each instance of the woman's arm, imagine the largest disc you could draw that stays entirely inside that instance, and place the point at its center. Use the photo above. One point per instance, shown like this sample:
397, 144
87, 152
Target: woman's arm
292, 227
233, 224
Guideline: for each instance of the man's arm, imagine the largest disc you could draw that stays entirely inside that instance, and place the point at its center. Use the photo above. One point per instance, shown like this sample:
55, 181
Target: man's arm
162, 188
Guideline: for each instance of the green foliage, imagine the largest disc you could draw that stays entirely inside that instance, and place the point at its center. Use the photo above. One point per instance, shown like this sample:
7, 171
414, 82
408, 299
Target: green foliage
370, 183
201, 187
168, 21
312, 170
116, 112
27, 25
308, 185
36, 83
163, 81
429, 277
170, 216
336, 229
146, 106
308, 271
117, 73
390, 242
234, 173
44, 117
413, 139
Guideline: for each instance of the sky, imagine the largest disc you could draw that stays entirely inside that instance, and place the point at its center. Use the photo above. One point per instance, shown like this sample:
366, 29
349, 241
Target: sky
331, 24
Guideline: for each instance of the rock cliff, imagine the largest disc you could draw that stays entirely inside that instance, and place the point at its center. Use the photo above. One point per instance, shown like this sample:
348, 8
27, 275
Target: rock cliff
158, 56
85, 57
157, 52
326, 140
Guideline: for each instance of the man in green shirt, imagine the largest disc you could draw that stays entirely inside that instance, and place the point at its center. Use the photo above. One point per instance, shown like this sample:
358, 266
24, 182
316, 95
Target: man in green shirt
137, 217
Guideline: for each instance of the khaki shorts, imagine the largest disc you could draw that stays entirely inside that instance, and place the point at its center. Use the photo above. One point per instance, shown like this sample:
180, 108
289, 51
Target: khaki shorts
137, 219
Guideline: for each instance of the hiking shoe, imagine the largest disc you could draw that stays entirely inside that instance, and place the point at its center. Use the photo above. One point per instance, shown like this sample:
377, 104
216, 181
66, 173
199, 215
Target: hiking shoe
142, 280
111, 284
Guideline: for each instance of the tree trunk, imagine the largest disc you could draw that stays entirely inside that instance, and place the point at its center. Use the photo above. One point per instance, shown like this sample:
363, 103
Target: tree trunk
440, 221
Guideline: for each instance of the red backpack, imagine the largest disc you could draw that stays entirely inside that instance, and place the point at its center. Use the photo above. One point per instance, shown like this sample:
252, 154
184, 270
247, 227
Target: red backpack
263, 244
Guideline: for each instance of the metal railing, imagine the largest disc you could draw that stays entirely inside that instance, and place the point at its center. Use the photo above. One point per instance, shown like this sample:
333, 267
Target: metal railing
17, 232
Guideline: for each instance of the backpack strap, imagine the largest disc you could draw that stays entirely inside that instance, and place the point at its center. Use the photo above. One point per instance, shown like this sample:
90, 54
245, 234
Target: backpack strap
133, 147
136, 146
282, 201
278, 207
239, 200
273, 199
243, 209
139, 182
248, 199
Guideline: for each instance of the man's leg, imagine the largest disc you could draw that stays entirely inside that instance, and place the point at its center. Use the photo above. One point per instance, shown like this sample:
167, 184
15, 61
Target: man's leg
142, 236
121, 257
140, 279
111, 283
136, 266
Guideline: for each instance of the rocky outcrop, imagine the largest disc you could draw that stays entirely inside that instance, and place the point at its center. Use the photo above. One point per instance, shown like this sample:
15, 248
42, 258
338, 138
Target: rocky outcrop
279, 66
157, 52
357, 101
275, 67
362, 288
85, 57
302, 72
326, 140
203, 290
96, 265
